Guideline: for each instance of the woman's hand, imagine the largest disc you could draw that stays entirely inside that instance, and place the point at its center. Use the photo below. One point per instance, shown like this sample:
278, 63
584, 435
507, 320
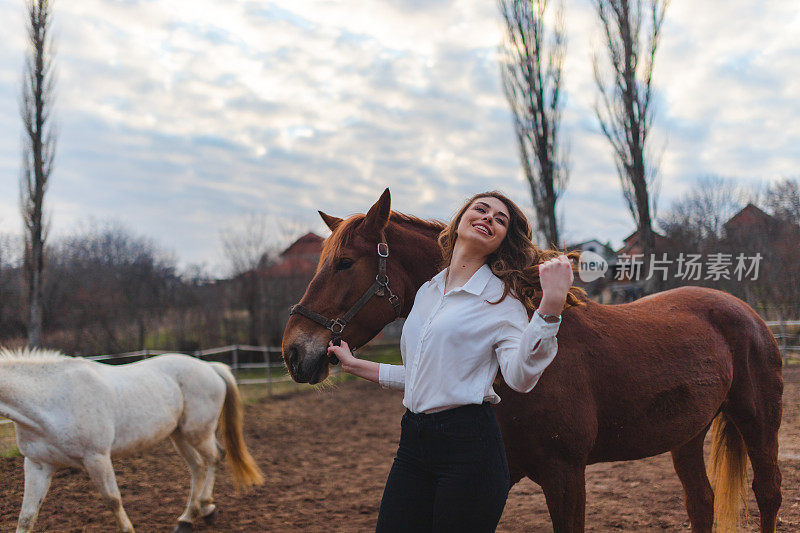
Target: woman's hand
344, 355
556, 278
352, 365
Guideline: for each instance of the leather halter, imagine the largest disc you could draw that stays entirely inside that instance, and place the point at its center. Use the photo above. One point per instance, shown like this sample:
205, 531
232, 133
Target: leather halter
379, 287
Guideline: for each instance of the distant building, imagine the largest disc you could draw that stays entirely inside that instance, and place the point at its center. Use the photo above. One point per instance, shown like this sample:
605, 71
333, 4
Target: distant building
595, 246
621, 288
284, 282
633, 244
595, 289
299, 260
751, 223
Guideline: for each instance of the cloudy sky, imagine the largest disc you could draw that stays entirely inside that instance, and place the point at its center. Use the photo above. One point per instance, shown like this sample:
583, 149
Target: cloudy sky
177, 118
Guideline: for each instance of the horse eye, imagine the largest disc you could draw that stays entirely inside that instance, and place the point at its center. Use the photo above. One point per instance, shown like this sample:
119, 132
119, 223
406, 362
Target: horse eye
344, 264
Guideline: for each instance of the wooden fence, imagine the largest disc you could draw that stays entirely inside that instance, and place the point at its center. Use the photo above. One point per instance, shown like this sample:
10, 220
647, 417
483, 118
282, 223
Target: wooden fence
789, 352
244, 369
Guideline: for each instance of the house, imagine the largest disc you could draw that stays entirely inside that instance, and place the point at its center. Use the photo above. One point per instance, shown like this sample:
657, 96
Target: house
595, 246
595, 288
751, 224
621, 285
634, 246
299, 260
284, 281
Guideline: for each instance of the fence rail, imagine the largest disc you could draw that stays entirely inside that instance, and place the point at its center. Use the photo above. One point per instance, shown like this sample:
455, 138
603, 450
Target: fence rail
786, 323
233, 360
788, 352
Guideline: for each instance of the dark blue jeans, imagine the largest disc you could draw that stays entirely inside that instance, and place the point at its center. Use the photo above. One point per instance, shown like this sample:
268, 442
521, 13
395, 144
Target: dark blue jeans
450, 473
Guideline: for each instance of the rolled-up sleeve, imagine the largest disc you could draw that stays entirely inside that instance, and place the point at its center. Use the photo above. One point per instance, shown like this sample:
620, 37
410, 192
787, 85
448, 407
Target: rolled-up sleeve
392, 376
524, 349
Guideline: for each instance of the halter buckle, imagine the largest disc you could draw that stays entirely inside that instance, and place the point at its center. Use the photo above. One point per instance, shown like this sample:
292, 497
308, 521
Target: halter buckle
383, 249
382, 280
337, 324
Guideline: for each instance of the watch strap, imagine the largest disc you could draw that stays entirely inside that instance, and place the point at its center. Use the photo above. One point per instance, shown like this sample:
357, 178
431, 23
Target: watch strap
550, 319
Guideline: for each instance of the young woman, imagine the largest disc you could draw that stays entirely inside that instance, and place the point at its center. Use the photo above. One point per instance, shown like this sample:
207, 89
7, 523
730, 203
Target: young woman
450, 472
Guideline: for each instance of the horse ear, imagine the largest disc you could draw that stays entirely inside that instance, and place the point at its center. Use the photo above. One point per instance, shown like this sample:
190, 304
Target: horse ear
378, 215
330, 221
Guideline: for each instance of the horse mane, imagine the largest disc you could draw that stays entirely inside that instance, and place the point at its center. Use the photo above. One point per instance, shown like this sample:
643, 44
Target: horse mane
332, 247
30, 354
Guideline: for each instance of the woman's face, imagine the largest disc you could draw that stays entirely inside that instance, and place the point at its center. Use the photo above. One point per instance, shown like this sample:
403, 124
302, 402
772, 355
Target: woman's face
484, 225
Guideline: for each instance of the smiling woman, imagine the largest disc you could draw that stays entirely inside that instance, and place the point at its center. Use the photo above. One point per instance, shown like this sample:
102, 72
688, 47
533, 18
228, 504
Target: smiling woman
467, 322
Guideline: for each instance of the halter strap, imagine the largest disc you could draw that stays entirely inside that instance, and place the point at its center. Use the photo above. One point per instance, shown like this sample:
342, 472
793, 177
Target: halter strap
379, 287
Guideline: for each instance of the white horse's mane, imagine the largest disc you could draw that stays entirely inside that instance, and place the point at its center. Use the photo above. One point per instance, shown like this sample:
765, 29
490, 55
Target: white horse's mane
30, 354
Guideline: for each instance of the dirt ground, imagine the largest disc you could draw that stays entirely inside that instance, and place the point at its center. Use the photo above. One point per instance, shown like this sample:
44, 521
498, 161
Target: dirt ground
326, 454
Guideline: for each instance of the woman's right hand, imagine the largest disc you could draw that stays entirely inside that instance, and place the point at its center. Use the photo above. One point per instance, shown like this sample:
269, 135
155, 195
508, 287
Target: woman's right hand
352, 365
342, 353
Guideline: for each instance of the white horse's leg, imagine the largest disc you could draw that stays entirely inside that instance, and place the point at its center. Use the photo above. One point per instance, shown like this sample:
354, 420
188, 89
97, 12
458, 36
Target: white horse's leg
195, 462
37, 481
209, 450
101, 472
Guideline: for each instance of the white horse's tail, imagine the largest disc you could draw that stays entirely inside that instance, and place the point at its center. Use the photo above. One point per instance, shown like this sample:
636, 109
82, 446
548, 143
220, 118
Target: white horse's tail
245, 470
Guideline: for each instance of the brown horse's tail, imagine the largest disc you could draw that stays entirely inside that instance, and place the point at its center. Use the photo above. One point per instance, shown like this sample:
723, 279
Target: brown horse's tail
728, 472
245, 470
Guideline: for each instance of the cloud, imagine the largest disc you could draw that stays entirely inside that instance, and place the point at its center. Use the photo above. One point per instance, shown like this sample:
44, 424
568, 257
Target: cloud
178, 116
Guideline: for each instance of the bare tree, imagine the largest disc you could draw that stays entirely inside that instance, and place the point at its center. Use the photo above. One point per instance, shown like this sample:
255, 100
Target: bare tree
108, 290
700, 214
782, 199
38, 152
532, 60
12, 321
625, 104
782, 274
248, 245
251, 245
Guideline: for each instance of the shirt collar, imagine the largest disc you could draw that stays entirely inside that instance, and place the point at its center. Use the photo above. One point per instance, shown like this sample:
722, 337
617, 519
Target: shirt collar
476, 284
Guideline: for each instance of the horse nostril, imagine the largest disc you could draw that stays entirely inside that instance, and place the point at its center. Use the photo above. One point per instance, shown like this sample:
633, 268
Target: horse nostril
289, 357
294, 360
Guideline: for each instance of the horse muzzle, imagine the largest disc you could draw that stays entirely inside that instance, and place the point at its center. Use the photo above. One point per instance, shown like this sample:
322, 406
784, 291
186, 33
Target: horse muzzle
306, 365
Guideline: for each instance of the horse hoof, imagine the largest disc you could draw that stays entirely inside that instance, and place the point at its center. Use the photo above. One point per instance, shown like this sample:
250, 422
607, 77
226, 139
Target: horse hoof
210, 517
183, 527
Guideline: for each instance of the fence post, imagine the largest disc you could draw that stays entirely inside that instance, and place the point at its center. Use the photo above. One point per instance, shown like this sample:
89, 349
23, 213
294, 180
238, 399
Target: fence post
784, 342
235, 362
269, 375
146, 354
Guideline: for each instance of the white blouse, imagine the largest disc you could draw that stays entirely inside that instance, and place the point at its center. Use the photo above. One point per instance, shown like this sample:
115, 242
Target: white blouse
452, 345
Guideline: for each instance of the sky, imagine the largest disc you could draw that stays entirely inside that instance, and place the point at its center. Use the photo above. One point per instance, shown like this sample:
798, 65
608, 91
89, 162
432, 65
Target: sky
178, 119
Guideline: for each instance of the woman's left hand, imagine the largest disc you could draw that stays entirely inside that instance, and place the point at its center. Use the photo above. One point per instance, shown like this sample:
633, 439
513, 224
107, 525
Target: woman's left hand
556, 278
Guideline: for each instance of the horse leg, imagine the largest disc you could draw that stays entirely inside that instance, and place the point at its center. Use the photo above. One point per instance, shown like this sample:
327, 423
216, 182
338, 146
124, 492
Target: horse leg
762, 449
101, 472
196, 467
564, 487
209, 451
691, 470
37, 481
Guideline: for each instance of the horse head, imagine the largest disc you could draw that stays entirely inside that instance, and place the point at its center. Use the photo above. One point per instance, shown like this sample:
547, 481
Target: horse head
365, 279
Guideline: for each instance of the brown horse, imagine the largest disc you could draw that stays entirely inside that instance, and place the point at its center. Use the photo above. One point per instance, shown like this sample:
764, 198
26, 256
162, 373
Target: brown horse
629, 381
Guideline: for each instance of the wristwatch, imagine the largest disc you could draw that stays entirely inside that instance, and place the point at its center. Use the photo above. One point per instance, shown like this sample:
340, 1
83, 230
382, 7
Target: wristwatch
550, 319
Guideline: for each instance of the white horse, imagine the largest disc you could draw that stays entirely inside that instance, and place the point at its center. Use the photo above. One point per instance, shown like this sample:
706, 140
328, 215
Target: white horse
75, 412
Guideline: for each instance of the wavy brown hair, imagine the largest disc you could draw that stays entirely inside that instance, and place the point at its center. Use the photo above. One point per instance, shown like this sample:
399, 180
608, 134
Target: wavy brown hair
516, 260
